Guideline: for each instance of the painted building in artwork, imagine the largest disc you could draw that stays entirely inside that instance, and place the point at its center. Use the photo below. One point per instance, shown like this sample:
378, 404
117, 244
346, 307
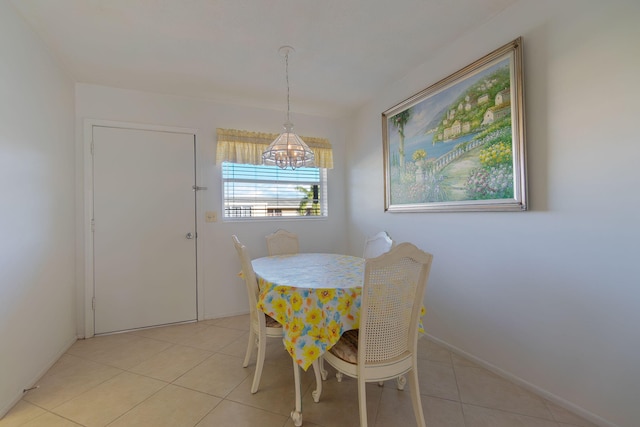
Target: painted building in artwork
494, 113
503, 96
471, 103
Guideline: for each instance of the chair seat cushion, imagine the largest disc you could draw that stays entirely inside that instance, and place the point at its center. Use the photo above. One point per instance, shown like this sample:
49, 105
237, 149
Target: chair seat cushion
347, 347
271, 322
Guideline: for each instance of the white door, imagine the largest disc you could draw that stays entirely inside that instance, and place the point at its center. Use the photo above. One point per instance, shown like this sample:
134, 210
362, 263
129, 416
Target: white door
144, 228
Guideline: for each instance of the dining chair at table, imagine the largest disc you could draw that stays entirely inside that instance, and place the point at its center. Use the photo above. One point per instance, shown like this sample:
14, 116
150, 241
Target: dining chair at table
377, 245
262, 326
282, 242
385, 346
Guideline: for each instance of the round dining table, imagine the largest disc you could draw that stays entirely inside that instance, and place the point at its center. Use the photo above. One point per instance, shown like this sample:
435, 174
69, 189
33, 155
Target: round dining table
315, 296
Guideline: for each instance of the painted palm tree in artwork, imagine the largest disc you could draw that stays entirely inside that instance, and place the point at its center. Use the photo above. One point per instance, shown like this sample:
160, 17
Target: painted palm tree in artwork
399, 120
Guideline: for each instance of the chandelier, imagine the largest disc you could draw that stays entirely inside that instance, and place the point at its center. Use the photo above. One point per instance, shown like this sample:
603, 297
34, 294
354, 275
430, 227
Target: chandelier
288, 149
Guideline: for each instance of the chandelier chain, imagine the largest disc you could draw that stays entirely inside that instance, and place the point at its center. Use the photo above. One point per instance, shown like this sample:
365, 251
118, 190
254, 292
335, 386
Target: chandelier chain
286, 62
288, 149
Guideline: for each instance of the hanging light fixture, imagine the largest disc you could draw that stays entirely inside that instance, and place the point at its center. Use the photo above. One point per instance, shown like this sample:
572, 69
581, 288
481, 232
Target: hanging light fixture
288, 149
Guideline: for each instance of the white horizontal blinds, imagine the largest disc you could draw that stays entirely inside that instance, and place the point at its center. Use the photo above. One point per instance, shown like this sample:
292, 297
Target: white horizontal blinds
263, 191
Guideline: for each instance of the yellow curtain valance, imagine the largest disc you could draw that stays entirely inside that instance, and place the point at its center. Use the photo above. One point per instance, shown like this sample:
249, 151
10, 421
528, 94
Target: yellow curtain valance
239, 146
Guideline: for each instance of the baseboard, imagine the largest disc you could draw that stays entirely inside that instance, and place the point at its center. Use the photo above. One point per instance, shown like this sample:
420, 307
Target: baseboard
20, 393
526, 385
220, 316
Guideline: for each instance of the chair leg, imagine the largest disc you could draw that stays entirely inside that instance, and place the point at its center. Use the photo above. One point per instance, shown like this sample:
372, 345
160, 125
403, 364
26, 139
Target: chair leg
401, 381
362, 401
247, 356
415, 396
296, 414
317, 370
262, 349
324, 373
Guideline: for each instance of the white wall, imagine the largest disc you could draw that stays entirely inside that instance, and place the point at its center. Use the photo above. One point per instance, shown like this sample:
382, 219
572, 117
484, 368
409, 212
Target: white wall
37, 284
550, 296
224, 293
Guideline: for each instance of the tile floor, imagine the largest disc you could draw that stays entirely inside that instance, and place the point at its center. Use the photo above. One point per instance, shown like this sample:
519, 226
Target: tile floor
192, 375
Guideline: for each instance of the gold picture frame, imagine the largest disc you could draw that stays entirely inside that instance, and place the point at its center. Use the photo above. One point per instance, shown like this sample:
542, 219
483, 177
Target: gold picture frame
459, 145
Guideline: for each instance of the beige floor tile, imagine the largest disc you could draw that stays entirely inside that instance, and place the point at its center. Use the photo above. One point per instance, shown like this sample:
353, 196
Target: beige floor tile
64, 363
234, 322
131, 353
21, 413
396, 409
442, 413
276, 392
172, 406
172, 333
437, 380
69, 377
217, 375
50, 420
171, 363
564, 416
238, 347
475, 416
461, 361
289, 423
235, 414
212, 338
93, 347
434, 352
338, 406
481, 387
106, 402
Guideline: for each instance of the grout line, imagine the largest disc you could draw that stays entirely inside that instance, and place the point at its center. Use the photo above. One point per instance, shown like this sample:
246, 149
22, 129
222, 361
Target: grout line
455, 377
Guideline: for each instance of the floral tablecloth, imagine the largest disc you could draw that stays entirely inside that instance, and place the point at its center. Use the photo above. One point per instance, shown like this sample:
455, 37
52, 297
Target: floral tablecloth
316, 297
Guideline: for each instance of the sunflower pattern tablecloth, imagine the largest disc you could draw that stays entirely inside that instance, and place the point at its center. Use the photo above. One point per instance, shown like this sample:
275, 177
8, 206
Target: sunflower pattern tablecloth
316, 297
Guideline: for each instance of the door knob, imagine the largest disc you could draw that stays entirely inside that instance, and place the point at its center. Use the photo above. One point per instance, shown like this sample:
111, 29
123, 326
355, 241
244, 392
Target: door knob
189, 236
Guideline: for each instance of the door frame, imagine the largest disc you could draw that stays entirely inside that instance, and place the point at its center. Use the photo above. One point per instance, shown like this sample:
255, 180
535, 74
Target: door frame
86, 292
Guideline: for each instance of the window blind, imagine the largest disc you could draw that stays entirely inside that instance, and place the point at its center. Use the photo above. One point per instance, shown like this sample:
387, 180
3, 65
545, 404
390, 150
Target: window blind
264, 191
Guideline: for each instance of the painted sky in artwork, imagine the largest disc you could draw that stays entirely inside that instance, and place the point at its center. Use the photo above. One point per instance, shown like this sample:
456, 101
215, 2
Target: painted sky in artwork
426, 114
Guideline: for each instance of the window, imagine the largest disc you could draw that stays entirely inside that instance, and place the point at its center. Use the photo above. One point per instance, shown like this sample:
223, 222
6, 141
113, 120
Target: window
252, 190
257, 191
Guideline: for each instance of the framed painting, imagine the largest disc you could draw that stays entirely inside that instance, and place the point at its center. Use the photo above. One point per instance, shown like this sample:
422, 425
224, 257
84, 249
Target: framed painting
459, 145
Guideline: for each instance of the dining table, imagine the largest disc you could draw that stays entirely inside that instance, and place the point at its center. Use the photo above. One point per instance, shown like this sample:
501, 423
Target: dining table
316, 297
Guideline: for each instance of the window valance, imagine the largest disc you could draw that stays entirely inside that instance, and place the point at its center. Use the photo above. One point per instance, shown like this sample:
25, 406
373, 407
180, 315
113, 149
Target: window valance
238, 146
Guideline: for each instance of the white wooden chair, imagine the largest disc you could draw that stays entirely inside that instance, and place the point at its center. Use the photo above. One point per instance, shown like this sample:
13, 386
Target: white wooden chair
374, 246
377, 245
385, 346
282, 242
262, 326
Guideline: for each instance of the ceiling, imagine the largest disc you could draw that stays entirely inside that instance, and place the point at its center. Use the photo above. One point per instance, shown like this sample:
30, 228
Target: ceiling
227, 50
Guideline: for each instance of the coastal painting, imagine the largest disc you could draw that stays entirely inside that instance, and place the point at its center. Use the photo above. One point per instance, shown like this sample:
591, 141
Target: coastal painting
459, 144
